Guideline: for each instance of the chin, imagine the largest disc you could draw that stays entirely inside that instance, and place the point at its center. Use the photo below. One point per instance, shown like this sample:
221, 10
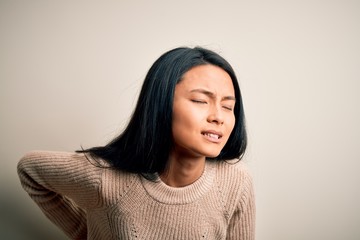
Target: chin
212, 154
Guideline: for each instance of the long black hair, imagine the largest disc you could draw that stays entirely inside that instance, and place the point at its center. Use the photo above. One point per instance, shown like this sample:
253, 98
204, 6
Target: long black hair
144, 146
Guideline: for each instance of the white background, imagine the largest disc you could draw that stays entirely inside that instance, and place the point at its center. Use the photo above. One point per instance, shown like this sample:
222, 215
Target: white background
70, 73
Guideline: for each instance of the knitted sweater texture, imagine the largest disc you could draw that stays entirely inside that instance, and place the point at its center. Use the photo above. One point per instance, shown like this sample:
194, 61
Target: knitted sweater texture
88, 201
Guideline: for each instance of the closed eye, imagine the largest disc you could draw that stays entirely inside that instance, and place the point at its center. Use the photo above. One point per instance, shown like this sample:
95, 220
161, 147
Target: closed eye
228, 108
199, 101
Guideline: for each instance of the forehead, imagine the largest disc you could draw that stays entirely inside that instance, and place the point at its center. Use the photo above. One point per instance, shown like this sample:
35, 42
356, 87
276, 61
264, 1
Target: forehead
209, 77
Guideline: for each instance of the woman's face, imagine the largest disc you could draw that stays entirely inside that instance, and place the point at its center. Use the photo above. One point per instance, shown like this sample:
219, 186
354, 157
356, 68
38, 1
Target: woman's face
203, 112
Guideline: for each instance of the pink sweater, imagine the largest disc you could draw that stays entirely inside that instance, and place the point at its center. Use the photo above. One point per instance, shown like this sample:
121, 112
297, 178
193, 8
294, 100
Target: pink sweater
98, 202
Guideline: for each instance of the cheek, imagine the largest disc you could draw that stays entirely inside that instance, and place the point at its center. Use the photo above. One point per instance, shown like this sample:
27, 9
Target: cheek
186, 124
185, 114
231, 125
182, 125
181, 132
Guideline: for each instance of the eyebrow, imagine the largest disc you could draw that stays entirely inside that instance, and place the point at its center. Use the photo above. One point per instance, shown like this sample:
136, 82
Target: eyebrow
211, 94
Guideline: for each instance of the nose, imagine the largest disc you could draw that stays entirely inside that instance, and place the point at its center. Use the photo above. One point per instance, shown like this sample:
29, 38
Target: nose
215, 116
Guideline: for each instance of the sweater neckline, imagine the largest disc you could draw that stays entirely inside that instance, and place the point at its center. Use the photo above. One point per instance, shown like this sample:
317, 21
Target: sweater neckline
163, 193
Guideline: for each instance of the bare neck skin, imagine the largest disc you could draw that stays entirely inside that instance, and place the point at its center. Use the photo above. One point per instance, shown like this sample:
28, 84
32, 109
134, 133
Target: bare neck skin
183, 171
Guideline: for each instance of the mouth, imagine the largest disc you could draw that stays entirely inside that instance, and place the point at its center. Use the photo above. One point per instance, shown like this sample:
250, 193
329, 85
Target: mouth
212, 136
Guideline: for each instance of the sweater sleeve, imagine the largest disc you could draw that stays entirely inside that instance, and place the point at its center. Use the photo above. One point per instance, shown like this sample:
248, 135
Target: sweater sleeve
242, 222
58, 183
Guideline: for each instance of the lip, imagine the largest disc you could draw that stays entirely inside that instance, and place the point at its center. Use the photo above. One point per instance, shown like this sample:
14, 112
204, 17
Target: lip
207, 134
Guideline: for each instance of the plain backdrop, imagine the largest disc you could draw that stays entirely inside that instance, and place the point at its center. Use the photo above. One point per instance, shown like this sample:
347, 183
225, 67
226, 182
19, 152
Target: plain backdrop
70, 74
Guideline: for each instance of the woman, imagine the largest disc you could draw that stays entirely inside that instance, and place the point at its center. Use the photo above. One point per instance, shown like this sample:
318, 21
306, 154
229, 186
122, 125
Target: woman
170, 174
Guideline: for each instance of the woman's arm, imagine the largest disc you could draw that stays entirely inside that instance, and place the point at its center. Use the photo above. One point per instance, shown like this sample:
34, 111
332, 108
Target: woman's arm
61, 185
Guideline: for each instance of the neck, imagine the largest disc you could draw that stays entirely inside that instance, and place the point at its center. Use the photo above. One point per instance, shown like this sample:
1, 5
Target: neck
183, 171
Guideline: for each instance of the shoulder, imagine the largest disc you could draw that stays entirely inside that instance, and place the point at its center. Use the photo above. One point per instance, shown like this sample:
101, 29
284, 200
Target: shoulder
52, 158
55, 164
42, 154
234, 182
233, 172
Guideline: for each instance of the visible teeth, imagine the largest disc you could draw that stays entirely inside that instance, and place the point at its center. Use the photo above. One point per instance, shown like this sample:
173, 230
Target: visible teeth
212, 135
